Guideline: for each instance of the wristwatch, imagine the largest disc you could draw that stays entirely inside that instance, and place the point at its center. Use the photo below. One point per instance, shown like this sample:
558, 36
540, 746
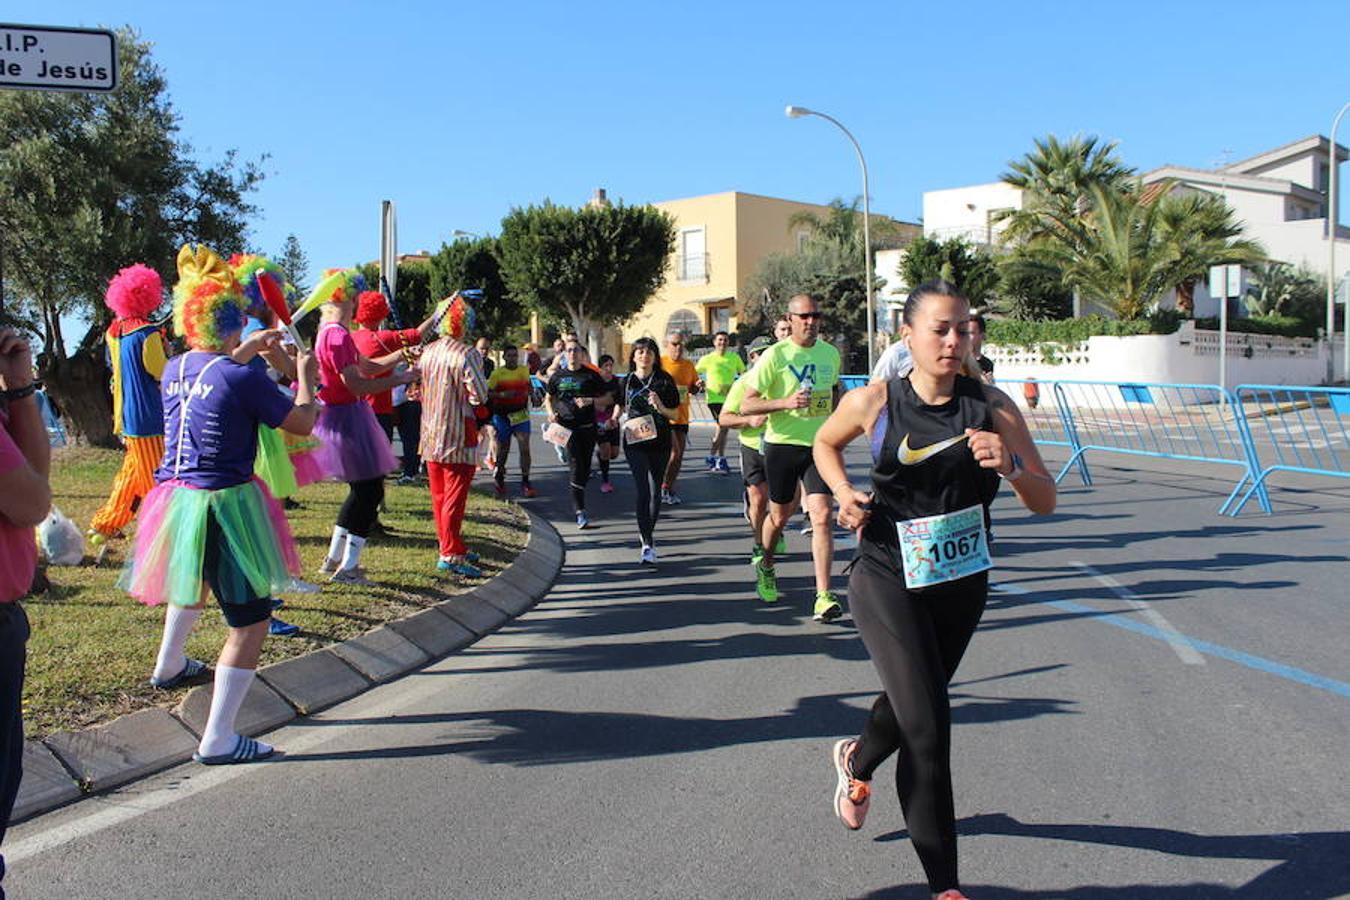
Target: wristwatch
27, 390
1017, 470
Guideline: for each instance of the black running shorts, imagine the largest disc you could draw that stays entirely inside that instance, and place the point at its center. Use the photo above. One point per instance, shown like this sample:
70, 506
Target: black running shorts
787, 464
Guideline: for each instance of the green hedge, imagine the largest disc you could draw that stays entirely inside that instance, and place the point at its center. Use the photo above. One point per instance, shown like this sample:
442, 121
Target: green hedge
1283, 326
1012, 332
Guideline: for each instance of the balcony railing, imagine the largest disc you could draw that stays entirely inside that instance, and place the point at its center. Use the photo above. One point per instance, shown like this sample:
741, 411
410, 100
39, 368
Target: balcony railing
691, 267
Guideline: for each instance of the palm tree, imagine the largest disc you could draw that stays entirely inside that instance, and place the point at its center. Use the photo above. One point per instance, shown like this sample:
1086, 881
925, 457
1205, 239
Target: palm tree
1058, 177
842, 226
1203, 231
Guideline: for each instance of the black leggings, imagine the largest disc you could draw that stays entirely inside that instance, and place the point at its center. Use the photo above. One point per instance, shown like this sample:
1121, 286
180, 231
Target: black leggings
648, 465
916, 641
581, 447
362, 506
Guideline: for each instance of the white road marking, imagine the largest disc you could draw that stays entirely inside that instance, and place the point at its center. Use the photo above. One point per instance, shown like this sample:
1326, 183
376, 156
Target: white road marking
1175, 639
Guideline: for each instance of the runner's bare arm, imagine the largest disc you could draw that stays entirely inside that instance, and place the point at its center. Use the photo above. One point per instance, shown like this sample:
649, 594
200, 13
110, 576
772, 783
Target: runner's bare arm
856, 414
1035, 486
729, 419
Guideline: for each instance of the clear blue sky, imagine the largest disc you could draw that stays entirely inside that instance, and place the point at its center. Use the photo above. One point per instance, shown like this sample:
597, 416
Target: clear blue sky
459, 111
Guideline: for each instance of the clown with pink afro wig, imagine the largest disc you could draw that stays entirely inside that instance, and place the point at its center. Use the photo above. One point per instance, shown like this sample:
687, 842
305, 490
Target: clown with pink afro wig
136, 355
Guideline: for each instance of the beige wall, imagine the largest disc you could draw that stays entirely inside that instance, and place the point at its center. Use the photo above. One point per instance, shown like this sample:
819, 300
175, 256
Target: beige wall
739, 231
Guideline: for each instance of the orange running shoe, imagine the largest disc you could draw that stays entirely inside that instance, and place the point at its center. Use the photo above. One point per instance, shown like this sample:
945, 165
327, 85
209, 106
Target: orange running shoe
852, 796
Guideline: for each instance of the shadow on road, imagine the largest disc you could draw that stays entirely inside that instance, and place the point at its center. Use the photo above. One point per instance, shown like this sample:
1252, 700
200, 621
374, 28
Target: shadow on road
1313, 864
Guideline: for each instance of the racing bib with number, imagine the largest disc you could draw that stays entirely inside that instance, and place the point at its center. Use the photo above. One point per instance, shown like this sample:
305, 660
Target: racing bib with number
942, 548
638, 429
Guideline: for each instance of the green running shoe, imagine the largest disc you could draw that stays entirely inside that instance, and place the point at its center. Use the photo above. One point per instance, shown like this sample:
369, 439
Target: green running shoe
766, 583
756, 555
827, 607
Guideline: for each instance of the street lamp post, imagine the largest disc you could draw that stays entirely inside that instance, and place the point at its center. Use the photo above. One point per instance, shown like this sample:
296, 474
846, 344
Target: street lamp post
797, 112
1332, 216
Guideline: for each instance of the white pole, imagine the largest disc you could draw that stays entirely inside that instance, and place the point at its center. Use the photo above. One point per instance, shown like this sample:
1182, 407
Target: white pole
1332, 217
1223, 333
794, 112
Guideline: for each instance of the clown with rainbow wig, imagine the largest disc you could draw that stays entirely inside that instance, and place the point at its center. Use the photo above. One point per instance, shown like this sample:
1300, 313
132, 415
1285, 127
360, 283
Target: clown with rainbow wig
375, 342
353, 449
209, 523
452, 385
136, 353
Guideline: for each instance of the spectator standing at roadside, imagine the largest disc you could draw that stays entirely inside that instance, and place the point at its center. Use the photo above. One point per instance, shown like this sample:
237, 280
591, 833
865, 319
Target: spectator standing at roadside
682, 372
452, 385
25, 497
719, 370
136, 353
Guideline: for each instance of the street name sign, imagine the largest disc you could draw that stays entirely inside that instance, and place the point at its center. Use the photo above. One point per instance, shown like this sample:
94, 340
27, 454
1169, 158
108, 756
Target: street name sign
53, 58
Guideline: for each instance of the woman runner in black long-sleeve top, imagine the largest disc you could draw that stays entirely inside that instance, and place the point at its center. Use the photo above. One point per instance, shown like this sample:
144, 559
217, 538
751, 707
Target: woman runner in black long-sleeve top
650, 398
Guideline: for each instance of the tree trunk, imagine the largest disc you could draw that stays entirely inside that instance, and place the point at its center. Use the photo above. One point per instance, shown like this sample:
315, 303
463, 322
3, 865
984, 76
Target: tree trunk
1186, 298
78, 385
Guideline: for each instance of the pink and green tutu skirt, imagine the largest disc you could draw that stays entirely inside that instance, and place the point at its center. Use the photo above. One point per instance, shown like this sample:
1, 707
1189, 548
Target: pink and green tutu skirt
304, 453
352, 446
171, 541
273, 463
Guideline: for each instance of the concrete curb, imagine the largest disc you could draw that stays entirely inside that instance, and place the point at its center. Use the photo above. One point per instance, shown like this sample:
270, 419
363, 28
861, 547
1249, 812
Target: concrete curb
68, 766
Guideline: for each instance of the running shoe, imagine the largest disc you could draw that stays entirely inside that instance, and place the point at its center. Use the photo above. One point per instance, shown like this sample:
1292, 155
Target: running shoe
827, 607
670, 498
582, 522
806, 525
711, 463
766, 583
301, 586
406, 480
464, 568
756, 554
355, 575
648, 556
329, 565
722, 467
279, 628
852, 795
528, 491
606, 487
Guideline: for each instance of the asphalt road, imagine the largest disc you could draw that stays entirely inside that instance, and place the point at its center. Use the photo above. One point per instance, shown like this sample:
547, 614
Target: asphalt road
1156, 706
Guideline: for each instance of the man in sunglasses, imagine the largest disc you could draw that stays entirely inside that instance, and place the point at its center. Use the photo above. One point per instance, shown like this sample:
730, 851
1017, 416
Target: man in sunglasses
795, 383
687, 381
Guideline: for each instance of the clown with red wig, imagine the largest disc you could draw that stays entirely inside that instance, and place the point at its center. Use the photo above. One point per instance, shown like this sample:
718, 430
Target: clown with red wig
210, 523
353, 448
136, 352
374, 342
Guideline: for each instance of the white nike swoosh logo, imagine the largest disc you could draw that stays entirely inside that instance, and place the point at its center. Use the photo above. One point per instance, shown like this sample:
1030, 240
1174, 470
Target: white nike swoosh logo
910, 457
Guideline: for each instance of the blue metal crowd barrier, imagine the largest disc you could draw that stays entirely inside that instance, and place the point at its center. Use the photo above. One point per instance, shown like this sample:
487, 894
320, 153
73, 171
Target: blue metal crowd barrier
1301, 429
1189, 422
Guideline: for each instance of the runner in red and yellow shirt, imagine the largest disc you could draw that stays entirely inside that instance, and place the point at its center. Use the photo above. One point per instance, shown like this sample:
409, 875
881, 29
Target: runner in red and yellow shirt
679, 368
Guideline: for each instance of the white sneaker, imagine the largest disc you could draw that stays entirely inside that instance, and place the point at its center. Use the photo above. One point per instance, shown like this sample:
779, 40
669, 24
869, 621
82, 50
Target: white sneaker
648, 556
355, 575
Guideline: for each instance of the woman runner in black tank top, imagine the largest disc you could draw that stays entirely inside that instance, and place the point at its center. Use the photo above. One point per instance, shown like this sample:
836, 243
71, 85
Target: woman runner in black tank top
940, 441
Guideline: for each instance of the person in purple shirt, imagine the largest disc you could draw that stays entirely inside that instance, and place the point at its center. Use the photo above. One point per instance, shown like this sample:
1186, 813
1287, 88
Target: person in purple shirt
210, 523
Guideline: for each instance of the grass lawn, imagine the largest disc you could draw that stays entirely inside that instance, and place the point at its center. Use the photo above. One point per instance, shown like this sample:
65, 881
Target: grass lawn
93, 647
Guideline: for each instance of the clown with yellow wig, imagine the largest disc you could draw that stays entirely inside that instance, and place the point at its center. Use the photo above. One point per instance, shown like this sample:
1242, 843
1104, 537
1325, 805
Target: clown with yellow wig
136, 351
209, 523
353, 448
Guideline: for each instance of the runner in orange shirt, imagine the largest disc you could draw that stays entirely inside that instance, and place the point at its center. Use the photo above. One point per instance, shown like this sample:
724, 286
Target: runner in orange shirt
679, 368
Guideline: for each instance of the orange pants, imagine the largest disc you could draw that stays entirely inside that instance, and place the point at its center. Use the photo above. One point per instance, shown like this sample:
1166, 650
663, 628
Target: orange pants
134, 480
449, 497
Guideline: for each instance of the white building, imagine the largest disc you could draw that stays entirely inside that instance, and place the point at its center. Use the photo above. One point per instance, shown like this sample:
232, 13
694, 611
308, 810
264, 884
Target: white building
1280, 196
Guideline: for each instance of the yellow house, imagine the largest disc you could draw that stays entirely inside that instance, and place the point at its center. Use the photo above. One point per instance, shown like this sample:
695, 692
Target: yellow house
720, 241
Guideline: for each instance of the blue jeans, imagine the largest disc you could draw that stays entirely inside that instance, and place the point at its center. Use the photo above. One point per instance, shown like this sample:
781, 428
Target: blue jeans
13, 655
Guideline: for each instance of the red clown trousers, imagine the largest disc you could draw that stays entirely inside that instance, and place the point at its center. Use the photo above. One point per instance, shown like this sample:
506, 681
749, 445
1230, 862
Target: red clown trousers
449, 496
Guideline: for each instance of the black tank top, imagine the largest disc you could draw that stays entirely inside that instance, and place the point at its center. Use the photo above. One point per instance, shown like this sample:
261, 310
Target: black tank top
922, 465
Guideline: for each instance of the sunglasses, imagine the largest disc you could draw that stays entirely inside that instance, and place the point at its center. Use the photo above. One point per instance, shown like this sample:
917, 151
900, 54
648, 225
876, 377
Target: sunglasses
810, 315
677, 343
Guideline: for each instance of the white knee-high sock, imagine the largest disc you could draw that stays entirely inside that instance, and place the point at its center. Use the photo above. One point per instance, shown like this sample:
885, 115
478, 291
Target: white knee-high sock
178, 622
338, 544
352, 557
231, 688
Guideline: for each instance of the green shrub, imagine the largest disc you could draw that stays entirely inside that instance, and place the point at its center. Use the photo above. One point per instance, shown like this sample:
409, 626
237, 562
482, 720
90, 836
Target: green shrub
1011, 332
1284, 326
